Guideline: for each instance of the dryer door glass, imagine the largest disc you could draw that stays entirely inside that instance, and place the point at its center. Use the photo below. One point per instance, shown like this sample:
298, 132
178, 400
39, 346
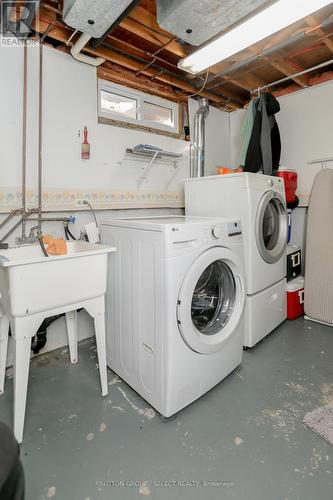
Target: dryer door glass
213, 298
272, 227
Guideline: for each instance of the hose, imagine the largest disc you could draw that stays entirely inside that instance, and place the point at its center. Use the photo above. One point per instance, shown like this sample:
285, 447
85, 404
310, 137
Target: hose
70, 234
40, 239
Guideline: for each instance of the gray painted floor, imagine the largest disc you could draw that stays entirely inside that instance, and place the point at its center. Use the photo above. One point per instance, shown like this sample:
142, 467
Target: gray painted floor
247, 431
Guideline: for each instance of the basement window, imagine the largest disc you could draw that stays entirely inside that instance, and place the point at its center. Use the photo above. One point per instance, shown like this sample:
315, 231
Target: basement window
123, 106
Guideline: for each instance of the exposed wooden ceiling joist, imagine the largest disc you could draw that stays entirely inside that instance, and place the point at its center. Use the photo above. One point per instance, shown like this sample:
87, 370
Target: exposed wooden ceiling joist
62, 34
312, 21
150, 54
144, 24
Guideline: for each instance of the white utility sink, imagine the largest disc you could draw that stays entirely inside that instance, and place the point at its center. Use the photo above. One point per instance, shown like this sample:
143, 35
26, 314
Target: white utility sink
34, 287
32, 283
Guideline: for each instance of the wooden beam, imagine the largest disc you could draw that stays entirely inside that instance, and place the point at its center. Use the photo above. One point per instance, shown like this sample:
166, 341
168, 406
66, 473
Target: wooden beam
288, 69
62, 33
314, 80
118, 74
143, 24
313, 22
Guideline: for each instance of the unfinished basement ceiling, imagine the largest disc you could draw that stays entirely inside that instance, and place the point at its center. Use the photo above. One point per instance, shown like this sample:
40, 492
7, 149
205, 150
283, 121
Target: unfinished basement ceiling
196, 21
139, 53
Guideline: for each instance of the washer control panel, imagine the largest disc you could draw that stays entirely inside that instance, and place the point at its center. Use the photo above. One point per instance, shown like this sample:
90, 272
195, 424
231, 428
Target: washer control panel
182, 238
234, 229
216, 232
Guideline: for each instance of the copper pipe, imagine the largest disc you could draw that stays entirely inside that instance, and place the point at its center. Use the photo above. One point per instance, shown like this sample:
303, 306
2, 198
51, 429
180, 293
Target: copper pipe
52, 9
40, 138
24, 135
17, 211
304, 51
154, 56
157, 75
145, 52
12, 229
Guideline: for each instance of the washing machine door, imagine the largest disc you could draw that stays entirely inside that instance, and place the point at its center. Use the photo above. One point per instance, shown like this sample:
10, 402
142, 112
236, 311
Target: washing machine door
211, 301
271, 227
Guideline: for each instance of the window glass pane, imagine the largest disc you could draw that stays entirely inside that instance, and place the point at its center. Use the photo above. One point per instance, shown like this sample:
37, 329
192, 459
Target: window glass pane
158, 114
116, 103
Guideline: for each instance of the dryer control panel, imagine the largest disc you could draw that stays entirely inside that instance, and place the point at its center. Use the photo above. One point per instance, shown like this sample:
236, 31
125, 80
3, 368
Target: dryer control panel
266, 183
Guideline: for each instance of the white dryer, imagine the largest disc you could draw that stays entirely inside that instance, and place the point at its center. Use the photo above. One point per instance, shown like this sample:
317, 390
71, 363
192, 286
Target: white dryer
174, 305
259, 201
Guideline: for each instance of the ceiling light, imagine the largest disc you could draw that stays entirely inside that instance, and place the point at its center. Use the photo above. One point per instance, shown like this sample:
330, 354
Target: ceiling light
281, 14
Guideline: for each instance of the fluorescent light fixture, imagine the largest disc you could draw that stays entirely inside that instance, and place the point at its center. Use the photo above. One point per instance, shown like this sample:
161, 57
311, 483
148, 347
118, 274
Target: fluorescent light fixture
281, 14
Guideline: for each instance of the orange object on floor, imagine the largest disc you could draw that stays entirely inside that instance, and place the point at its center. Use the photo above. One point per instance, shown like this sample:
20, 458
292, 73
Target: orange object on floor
55, 246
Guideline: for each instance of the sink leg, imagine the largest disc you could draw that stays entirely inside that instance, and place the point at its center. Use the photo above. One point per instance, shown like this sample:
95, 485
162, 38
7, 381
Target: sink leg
71, 322
99, 321
4, 331
21, 373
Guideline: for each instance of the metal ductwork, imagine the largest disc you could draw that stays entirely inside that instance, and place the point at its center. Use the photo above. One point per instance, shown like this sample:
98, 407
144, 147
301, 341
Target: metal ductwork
96, 19
76, 52
196, 21
198, 142
93, 17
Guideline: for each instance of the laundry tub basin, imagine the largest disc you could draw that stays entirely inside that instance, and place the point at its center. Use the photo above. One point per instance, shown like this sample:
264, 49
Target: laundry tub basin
31, 283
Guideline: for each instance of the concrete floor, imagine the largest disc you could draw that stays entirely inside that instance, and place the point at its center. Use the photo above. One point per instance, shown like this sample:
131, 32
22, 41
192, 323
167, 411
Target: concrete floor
247, 432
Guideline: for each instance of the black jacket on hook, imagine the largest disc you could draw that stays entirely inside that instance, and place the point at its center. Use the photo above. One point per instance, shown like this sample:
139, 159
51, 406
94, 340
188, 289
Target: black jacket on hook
264, 149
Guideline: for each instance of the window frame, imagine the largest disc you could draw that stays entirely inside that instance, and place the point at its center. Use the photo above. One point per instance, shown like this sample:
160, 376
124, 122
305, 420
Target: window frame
140, 97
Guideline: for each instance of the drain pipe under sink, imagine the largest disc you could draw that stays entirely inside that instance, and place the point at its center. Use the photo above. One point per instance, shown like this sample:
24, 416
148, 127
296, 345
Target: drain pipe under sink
79, 45
198, 142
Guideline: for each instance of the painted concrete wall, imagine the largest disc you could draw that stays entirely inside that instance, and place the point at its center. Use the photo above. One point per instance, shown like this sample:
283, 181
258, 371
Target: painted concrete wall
70, 102
305, 123
109, 178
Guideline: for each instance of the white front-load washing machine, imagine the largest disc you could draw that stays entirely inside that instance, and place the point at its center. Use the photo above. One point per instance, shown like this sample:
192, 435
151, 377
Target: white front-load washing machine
259, 201
174, 305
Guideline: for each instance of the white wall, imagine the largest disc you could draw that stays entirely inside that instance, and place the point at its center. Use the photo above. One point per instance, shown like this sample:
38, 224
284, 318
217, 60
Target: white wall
305, 123
70, 103
109, 178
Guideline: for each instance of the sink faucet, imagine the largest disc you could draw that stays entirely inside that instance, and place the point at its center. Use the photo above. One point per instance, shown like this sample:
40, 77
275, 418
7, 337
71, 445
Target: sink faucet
32, 231
28, 240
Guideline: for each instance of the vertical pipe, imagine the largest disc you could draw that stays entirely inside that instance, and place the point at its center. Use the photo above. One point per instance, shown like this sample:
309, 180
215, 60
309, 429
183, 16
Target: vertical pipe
24, 138
198, 143
40, 137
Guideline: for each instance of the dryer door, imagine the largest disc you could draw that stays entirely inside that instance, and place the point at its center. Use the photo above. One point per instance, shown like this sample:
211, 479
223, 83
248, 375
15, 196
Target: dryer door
271, 227
211, 301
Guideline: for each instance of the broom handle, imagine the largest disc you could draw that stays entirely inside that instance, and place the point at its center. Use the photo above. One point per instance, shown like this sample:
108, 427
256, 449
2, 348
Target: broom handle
85, 134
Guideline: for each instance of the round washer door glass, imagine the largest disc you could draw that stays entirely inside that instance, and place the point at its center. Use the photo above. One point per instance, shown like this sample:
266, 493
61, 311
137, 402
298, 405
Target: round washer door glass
272, 227
213, 298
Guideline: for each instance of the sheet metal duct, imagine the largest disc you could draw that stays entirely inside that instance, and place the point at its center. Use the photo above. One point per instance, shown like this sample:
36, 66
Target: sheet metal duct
93, 17
198, 142
196, 21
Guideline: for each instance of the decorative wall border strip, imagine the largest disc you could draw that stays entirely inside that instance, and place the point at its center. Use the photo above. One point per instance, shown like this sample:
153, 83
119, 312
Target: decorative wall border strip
60, 199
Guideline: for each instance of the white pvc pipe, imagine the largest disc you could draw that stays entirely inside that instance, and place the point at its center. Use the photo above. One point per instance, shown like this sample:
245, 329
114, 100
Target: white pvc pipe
79, 45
